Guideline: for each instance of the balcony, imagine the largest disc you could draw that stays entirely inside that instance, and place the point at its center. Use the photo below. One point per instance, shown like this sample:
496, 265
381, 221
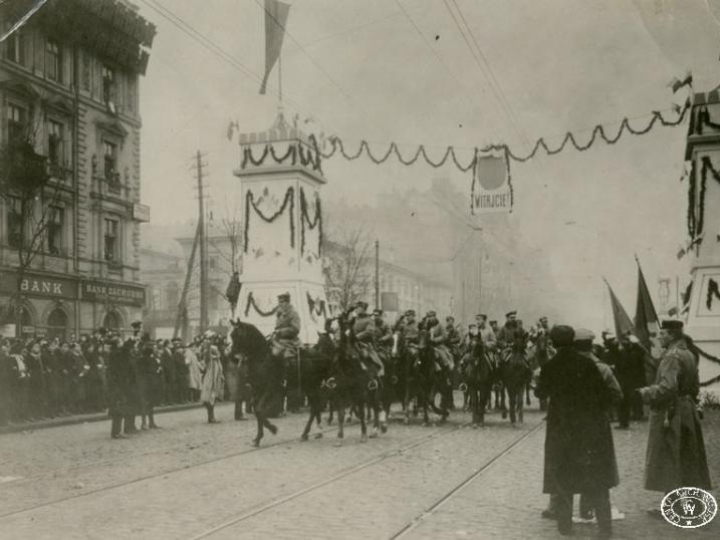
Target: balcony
110, 187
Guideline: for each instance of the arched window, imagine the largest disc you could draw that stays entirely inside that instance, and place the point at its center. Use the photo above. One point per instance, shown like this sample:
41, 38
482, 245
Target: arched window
112, 321
57, 324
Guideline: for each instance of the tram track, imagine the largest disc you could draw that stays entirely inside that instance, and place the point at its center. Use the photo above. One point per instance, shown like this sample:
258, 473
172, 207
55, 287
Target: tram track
472, 477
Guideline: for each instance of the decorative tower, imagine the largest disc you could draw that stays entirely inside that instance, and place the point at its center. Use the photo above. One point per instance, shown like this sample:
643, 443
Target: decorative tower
281, 176
703, 152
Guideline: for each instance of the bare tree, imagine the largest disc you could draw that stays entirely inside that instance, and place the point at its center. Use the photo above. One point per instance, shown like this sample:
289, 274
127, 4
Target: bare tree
30, 186
347, 267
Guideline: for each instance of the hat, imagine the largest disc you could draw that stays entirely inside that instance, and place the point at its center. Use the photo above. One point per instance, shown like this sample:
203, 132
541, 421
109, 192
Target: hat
671, 324
510, 313
562, 335
449, 318
410, 312
377, 311
583, 334
543, 319
136, 324
284, 297
493, 322
481, 315
431, 314
363, 305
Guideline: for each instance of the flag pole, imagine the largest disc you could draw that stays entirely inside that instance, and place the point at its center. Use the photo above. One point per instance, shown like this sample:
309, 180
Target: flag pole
280, 76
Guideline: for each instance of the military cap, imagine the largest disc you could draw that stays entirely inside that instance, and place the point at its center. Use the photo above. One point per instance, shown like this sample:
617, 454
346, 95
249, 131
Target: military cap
482, 315
562, 335
543, 319
583, 334
431, 314
377, 311
671, 324
136, 324
449, 318
510, 313
493, 322
410, 312
284, 297
363, 305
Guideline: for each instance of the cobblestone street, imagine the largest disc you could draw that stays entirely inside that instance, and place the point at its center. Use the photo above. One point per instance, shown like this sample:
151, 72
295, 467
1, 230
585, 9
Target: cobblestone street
194, 480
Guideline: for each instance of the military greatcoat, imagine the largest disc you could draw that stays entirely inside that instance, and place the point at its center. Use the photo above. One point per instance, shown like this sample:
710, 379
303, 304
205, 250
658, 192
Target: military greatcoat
286, 341
676, 450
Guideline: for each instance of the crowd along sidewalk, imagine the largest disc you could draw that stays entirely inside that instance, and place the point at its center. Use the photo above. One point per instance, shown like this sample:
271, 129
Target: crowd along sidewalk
89, 417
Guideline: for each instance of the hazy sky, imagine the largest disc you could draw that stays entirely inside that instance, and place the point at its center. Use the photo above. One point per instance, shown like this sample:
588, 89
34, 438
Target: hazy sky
386, 71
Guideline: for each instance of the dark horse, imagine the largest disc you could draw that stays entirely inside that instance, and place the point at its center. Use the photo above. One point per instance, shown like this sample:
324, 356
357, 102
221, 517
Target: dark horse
429, 380
516, 375
316, 364
264, 372
479, 373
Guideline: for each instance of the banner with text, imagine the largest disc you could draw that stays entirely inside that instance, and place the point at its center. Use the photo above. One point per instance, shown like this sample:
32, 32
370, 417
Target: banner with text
491, 190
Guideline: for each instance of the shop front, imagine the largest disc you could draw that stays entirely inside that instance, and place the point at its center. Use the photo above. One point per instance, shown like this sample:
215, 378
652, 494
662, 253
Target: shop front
65, 308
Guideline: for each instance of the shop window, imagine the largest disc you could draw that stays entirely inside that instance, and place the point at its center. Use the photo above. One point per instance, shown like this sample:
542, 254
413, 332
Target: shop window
110, 152
15, 221
112, 240
55, 229
56, 143
112, 321
57, 324
53, 60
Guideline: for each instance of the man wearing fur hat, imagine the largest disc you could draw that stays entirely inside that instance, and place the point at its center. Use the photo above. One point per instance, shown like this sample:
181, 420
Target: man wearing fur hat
676, 450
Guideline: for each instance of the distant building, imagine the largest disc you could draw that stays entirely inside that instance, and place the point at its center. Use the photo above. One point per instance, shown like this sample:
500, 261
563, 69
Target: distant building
69, 78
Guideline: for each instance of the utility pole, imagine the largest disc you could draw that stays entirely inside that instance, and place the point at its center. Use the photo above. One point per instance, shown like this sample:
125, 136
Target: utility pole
377, 274
202, 233
181, 319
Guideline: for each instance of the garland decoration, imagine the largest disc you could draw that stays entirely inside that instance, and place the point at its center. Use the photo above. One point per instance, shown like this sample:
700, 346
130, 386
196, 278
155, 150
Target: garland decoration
713, 292
250, 203
696, 212
692, 186
251, 302
293, 152
311, 224
711, 381
598, 132
312, 304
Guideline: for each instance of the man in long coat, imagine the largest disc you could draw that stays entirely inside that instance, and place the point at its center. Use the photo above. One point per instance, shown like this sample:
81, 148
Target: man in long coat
579, 452
676, 450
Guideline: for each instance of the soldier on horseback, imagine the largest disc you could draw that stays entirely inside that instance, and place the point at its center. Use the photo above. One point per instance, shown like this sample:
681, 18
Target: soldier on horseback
487, 335
364, 329
438, 337
285, 340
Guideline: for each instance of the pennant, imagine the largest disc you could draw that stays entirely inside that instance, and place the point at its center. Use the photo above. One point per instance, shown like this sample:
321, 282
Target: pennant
276, 15
25, 18
623, 324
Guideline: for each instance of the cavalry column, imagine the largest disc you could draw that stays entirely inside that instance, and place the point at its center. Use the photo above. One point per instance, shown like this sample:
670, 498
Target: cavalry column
703, 152
281, 176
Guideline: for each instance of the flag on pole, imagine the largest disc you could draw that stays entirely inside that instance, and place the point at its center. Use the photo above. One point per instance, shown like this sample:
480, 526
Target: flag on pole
276, 14
623, 324
647, 321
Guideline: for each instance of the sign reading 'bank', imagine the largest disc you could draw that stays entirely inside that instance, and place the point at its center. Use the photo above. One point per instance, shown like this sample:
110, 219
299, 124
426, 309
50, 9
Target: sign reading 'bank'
491, 186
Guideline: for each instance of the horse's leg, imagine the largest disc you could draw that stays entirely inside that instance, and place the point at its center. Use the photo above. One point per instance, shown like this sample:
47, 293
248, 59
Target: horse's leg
503, 403
527, 394
514, 394
363, 423
340, 408
314, 402
260, 417
520, 410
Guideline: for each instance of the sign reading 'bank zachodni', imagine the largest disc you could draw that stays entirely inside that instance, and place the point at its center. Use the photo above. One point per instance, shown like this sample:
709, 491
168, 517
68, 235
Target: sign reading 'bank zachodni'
120, 294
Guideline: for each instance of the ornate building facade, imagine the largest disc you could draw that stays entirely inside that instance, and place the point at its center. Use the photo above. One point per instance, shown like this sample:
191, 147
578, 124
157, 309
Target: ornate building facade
70, 78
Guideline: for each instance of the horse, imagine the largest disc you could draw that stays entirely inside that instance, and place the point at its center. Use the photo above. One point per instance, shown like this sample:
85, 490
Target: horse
479, 372
430, 380
265, 374
315, 370
352, 384
516, 375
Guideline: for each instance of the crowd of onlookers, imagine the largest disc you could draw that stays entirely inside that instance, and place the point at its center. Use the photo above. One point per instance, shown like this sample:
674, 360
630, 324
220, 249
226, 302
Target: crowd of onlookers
47, 378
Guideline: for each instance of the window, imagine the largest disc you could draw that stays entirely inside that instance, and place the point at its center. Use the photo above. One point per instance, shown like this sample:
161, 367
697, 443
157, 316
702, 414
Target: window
56, 222
15, 47
57, 324
112, 321
14, 221
53, 60
108, 75
86, 72
17, 124
112, 240
110, 150
56, 140
131, 92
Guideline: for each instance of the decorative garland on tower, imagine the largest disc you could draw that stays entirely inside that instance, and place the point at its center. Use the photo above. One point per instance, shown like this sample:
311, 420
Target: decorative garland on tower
692, 186
696, 212
250, 202
311, 224
251, 302
293, 152
321, 308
